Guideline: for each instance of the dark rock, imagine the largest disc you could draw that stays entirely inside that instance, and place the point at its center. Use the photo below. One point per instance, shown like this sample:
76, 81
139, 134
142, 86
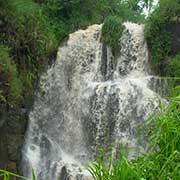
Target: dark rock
3, 148
104, 61
64, 174
2, 114
174, 29
13, 124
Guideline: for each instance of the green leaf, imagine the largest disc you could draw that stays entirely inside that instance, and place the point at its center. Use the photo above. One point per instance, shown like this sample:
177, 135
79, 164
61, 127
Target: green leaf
33, 175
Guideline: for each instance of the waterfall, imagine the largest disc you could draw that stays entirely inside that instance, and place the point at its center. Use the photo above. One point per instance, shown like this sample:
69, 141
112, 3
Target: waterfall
89, 99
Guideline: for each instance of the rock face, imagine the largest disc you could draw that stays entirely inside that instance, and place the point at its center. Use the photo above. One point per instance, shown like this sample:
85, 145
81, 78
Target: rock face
3, 147
65, 175
174, 29
12, 128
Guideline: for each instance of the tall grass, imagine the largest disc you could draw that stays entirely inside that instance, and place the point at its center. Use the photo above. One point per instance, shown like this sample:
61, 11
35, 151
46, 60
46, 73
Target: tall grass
161, 162
7, 175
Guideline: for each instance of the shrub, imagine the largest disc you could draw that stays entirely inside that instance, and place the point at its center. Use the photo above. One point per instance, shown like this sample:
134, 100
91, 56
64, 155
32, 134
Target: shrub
27, 31
31, 38
111, 31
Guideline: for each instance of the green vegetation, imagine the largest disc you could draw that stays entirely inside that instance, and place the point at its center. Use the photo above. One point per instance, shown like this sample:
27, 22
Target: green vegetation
119, 170
173, 69
33, 29
7, 175
170, 9
163, 158
111, 31
30, 39
121, 12
159, 39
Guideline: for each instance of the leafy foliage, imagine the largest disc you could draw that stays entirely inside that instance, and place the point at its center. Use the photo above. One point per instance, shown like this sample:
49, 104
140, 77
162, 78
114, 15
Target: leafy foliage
170, 9
119, 170
111, 31
119, 12
33, 29
77, 14
30, 38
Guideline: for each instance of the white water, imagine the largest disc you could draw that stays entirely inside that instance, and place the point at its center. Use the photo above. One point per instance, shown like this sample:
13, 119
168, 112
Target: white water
89, 99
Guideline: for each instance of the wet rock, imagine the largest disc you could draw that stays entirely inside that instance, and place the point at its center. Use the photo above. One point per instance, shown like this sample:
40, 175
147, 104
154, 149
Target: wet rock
64, 174
11, 137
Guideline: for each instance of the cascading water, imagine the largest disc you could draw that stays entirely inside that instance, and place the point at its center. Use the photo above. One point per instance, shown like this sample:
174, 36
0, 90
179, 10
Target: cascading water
89, 99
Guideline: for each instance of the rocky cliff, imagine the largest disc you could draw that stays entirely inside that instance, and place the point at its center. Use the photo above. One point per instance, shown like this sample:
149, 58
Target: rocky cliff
12, 128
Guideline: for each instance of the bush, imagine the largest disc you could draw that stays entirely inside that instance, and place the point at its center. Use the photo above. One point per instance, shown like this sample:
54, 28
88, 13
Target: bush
27, 31
31, 38
32, 29
111, 31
